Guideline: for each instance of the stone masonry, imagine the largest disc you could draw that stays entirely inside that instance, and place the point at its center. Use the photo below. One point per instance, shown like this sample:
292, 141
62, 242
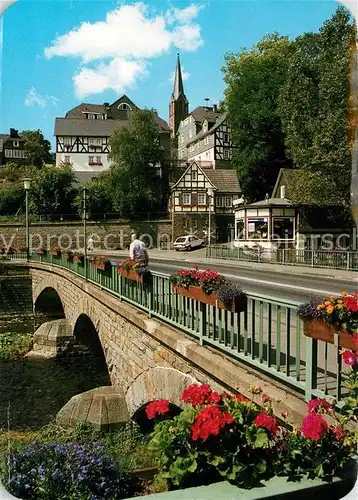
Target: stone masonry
147, 359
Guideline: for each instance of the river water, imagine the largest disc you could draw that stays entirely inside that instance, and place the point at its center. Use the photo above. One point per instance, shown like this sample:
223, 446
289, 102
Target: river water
33, 390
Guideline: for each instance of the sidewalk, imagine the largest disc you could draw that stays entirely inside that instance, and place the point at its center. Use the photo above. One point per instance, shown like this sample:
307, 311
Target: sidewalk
198, 257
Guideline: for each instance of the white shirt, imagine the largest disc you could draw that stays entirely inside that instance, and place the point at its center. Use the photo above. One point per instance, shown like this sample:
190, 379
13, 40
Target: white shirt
138, 250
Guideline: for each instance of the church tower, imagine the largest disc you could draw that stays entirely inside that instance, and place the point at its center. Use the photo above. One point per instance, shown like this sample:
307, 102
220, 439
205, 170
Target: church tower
179, 105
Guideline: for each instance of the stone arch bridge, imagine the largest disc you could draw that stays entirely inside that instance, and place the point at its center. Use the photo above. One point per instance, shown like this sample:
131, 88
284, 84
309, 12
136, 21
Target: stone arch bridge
146, 358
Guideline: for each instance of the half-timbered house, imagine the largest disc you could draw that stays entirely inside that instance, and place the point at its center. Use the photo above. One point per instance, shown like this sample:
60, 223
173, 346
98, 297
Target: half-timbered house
12, 148
200, 191
82, 136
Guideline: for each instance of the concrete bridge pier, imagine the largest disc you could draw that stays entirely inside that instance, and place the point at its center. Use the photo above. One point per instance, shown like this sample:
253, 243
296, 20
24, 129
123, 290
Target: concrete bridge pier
52, 338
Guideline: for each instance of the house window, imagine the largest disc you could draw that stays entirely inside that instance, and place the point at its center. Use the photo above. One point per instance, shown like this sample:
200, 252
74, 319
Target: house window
67, 141
94, 141
67, 159
91, 159
98, 160
205, 127
186, 198
226, 137
8, 153
16, 144
92, 116
219, 202
228, 202
201, 199
206, 140
125, 106
194, 175
16, 153
226, 154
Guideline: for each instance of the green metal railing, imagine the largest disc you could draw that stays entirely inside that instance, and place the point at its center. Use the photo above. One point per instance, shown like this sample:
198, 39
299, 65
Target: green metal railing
268, 335
289, 257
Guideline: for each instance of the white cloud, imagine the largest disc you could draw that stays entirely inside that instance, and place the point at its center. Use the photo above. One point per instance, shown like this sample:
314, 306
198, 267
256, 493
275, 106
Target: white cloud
33, 98
119, 46
184, 75
118, 75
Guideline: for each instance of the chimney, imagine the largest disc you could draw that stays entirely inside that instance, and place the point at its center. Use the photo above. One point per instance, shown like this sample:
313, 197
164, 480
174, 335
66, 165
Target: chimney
215, 108
282, 192
14, 132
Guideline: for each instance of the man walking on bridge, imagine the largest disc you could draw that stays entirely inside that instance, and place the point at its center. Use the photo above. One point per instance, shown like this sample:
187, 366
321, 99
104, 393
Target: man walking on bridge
138, 251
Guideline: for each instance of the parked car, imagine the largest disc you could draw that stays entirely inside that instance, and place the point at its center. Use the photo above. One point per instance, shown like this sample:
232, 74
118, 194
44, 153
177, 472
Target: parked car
188, 242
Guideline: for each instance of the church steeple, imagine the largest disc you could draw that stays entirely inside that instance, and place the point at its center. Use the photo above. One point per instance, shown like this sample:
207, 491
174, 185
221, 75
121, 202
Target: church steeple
178, 81
179, 105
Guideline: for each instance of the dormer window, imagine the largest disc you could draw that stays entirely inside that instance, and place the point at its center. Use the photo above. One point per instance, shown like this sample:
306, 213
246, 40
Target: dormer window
124, 106
16, 144
205, 126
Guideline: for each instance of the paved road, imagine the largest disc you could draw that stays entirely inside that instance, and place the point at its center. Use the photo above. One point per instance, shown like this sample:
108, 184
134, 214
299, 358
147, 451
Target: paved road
292, 284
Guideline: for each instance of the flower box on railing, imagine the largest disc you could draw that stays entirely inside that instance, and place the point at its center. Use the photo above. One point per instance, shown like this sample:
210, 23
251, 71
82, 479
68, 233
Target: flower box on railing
55, 252
321, 330
130, 274
100, 263
237, 304
79, 258
40, 251
134, 271
68, 255
332, 320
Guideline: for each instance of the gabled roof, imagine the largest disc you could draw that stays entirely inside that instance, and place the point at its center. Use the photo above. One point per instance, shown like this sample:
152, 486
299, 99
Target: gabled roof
270, 202
223, 181
201, 135
201, 112
78, 111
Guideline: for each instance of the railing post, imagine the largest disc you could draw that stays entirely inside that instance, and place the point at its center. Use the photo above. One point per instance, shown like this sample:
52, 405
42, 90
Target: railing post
311, 367
312, 258
202, 322
348, 261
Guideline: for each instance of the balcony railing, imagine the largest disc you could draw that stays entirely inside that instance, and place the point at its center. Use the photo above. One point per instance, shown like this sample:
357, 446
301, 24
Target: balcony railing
268, 335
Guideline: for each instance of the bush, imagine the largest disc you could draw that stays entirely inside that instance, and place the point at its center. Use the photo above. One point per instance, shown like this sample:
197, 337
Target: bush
13, 345
64, 471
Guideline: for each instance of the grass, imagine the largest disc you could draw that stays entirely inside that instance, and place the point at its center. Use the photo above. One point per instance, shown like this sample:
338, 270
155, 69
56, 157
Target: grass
14, 345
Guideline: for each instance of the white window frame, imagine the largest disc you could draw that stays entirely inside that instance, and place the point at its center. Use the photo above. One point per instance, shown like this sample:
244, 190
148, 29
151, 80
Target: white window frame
228, 201
98, 159
67, 141
226, 154
124, 106
16, 153
186, 198
219, 202
95, 141
201, 199
16, 144
8, 153
194, 175
67, 159
89, 159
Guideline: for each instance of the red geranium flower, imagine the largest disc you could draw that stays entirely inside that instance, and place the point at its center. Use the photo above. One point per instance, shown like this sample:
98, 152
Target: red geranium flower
316, 404
349, 358
351, 302
209, 422
338, 432
197, 394
264, 420
314, 427
240, 397
155, 408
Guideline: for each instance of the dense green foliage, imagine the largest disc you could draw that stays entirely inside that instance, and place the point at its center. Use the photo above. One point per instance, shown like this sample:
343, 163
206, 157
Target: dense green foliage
288, 105
98, 195
254, 79
37, 147
12, 345
136, 154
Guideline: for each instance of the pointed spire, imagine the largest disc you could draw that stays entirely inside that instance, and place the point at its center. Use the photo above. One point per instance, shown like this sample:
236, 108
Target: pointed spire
178, 81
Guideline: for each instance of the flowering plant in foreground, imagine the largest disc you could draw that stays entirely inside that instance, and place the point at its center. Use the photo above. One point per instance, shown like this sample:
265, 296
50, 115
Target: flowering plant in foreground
209, 281
61, 471
140, 268
340, 312
219, 436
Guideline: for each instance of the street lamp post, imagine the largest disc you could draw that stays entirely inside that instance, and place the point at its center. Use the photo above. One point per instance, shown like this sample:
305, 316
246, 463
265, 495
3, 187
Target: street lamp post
27, 183
84, 230
210, 193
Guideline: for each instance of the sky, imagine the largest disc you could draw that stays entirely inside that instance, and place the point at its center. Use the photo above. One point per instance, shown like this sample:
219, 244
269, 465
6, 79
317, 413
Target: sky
58, 53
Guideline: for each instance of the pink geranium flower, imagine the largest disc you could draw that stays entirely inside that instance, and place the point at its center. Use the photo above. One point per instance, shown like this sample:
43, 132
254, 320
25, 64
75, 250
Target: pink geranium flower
349, 358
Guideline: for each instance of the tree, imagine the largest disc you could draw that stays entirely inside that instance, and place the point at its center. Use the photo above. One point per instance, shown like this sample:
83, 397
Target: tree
37, 147
254, 79
315, 121
52, 191
137, 156
98, 195
12, 194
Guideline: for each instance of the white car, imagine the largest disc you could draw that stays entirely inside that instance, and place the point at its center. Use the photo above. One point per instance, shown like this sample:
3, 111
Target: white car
188, 242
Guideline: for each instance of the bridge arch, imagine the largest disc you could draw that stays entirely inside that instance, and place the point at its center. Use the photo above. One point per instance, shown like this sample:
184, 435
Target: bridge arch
49, 303
157, 383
